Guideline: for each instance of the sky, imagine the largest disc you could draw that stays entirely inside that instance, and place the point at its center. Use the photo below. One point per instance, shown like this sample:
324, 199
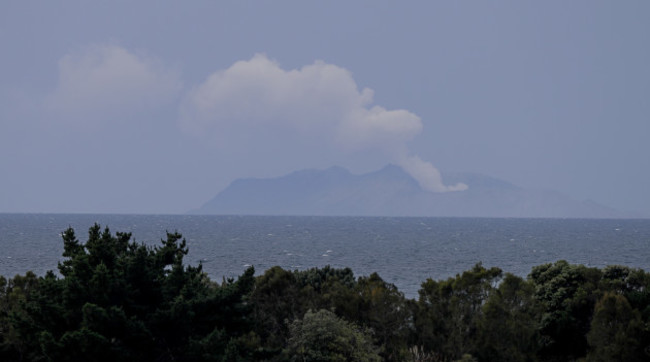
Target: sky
156, 106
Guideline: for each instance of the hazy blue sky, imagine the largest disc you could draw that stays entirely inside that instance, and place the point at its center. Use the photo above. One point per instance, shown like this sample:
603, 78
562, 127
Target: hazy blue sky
154, 107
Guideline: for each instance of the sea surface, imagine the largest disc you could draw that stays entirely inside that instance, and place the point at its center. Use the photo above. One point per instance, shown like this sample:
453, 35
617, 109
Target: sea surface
404, 251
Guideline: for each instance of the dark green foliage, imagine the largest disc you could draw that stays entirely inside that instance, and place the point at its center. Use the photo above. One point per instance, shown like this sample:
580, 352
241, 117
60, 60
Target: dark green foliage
276, 301
617, 332
118, 300
568, 294
14, 294
282, 296
449, 312
508, 327
384, 310
634, 284
322, 336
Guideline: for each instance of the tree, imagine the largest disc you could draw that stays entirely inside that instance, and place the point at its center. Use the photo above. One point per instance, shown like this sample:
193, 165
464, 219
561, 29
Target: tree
322, 336
275, 300
616, 332
446, 321
633, 283
384, 310
508, 327
568, 294
119, 300
14, 294
282, 296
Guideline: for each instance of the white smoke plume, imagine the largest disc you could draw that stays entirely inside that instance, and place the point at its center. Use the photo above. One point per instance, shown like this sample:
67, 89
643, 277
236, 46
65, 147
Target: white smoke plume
427, 175
258, 108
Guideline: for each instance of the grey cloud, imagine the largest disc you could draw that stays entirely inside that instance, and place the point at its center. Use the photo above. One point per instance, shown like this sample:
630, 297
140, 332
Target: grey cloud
103, 79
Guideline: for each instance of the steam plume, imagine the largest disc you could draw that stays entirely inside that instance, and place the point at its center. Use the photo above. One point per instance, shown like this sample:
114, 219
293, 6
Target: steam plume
257, 108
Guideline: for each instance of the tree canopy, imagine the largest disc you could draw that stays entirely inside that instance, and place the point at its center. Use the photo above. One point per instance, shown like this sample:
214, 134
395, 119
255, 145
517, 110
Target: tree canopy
119, 300
115, 299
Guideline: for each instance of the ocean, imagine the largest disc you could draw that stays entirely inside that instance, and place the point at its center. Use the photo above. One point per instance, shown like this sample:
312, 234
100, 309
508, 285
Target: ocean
404, 251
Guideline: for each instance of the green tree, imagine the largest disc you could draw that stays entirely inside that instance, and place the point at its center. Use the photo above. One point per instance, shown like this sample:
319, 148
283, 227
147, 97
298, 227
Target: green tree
568, 294
508, 327
616, 331
449, 311
282, 296
329, 288
275, 300
14, 294
322, 336
384, 310
119, 300
633, 283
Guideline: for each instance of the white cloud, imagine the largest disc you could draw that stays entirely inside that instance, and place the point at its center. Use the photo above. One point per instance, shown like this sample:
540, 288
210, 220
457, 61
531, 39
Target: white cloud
314, 99
257, 107
108, 79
